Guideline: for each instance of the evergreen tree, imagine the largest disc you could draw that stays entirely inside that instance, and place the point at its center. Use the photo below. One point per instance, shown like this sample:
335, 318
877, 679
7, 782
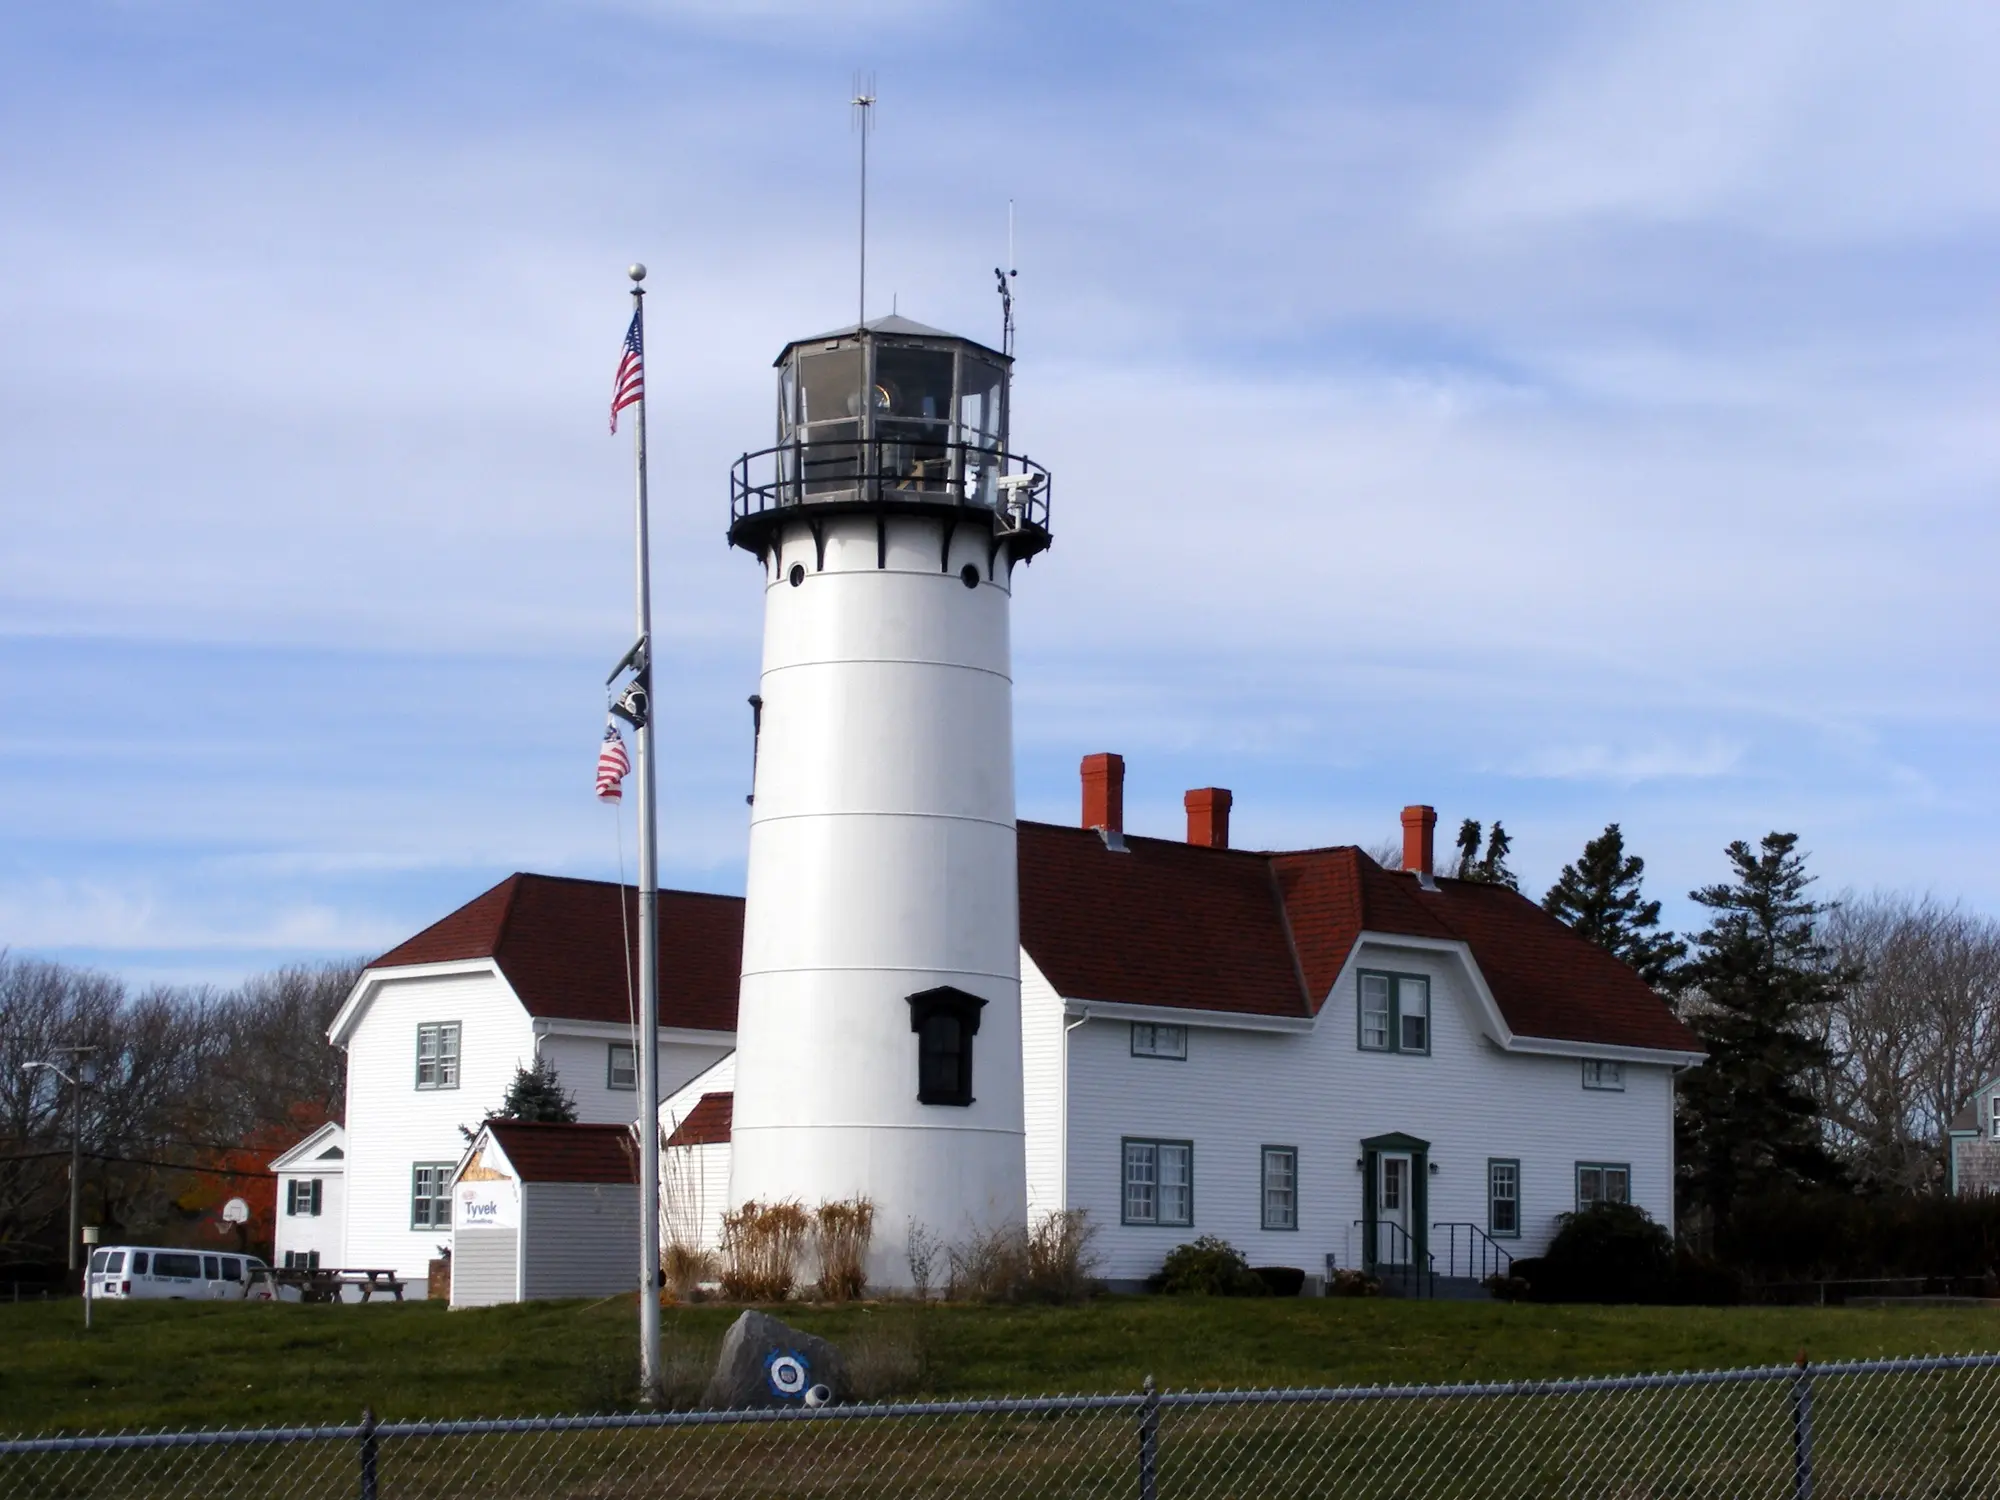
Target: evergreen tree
537, 1095
1489, 868
1599, 897
1747, 1121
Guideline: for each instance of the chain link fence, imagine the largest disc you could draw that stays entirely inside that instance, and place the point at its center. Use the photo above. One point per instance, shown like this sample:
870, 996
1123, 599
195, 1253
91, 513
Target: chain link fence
1877, 1429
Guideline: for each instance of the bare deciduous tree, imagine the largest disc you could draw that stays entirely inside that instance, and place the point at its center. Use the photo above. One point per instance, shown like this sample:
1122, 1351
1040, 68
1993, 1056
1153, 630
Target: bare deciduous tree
1914, 1038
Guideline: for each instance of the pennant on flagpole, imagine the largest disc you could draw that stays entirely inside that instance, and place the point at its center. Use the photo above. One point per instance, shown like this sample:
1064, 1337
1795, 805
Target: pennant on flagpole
612, 764
629, 386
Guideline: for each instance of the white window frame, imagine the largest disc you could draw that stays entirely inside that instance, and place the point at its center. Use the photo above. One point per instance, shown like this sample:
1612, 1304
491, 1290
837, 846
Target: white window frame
1160, 1039
1601, 1073
611, 1067
1400, 1001
1144, 1168
1279, 1202
1993, 1115
302, 1197
1602, 1169
438, 1055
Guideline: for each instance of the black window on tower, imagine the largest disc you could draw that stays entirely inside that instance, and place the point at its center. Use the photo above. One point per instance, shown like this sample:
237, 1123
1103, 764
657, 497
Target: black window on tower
945, 1021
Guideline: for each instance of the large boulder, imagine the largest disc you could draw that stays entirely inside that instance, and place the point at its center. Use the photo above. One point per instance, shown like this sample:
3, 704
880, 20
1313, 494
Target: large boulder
768, 1363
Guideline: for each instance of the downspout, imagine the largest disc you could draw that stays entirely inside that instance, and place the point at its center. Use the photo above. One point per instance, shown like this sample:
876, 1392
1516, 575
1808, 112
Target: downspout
1062, 1175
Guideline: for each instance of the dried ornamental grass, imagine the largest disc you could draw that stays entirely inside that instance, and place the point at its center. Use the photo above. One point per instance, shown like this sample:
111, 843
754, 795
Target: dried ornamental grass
842, 1232
761, 1246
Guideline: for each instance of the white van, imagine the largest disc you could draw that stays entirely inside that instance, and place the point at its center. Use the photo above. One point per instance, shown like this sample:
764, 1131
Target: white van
133, 1271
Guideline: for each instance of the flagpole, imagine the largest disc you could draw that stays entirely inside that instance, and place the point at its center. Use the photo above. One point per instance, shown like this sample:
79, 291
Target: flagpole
649, 932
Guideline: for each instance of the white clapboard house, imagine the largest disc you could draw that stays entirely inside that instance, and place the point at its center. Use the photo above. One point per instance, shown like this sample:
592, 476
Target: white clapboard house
1326, 1062
312, 1181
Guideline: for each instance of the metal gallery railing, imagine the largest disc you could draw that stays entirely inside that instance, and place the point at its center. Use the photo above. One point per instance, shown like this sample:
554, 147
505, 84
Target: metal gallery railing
890, 470
1885, 1428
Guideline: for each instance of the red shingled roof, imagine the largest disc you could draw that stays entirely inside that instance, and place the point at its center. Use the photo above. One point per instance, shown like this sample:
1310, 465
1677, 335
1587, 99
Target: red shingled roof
559, 942
708, 1123
1168, 923
568, 1153
1164, 923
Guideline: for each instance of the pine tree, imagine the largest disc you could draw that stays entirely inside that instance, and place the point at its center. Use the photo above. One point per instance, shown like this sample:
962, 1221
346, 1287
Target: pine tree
1599, 897
1489, 868
536, 1094
1747, 1121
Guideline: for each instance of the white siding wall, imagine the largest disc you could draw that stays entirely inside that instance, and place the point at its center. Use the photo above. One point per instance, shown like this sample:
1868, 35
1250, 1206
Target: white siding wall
322, 1231
391, 1124
1239, 1091
578, 1239
583, 1065
484, 1267
1042, 1087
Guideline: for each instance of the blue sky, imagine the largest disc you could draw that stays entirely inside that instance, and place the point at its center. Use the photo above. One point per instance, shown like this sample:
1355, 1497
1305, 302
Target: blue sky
1562, 413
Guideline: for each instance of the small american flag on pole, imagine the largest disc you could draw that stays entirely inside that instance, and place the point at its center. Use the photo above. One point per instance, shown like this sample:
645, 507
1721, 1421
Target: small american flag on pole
630, 384
612, 764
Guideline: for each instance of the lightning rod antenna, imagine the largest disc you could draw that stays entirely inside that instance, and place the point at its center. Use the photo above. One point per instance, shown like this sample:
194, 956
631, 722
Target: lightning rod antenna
863, 104
1005, 281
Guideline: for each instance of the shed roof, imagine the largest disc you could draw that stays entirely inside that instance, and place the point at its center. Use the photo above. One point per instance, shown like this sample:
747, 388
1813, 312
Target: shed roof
567, 1153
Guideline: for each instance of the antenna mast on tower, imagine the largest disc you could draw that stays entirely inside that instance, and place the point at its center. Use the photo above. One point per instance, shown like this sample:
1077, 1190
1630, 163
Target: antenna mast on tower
1005, 280
864, 121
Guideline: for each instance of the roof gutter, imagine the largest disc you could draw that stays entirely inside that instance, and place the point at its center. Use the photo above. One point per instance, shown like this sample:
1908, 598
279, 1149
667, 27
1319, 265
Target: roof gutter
1180, 1015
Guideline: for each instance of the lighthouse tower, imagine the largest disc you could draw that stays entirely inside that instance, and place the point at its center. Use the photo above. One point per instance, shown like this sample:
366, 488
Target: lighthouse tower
879, 1030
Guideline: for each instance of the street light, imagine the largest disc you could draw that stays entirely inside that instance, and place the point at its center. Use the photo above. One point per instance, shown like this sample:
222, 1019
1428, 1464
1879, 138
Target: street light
85, 1074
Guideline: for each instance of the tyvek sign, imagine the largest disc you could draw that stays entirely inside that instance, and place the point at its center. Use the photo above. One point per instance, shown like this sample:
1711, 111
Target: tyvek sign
487, 1205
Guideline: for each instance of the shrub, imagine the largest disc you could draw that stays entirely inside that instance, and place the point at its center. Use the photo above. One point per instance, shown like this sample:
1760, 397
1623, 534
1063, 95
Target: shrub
685, 1268
1209, 1266
761, 1246
1053, 1262
842, 1231
1609, 1252
1830, 1235
1281, 1281
1352, 1283
1061, 1263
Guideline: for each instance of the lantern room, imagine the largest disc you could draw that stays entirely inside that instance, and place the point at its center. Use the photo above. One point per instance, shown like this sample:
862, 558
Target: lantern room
891, 417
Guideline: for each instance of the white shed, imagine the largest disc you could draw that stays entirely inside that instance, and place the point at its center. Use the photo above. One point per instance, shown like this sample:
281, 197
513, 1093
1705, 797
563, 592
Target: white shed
312, 1198
545, 1211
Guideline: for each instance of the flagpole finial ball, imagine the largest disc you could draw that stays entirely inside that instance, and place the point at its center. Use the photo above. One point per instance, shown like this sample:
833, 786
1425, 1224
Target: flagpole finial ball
636, 271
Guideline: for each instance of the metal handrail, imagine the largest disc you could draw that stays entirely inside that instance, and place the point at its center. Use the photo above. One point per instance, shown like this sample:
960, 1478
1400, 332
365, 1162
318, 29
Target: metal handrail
1483, 1257
892, 470
1408, 1272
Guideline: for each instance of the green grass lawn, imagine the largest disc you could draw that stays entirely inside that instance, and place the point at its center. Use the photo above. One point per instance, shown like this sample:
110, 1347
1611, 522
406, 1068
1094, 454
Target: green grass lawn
159, 1364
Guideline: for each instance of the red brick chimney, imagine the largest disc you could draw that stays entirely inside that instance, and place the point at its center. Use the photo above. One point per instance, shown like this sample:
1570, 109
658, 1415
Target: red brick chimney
1420, 839
1208, 816
1104, 792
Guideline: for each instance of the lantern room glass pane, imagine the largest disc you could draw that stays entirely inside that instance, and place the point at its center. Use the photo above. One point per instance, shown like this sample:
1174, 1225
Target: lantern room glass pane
981, 390
912, 403
829, 408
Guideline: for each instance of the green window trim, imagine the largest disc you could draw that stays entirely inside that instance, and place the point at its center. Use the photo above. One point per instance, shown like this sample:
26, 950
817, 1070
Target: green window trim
1395, 1034
1495, 1166
1265, 1156
430, 1194
446, 1062
1126, 1144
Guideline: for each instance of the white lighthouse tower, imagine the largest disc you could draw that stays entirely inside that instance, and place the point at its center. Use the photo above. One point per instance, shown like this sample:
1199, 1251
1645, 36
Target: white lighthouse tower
879, 1030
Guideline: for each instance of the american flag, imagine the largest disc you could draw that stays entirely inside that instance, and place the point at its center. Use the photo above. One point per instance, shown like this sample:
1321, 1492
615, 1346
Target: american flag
612, 764
630, 384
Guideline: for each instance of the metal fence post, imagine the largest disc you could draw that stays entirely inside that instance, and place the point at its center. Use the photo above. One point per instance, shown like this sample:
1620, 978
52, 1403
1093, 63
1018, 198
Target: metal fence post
1802, 1431
367, 1453
1149, 1443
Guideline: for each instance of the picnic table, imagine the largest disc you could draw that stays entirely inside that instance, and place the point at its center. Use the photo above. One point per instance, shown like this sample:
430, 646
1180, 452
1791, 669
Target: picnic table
329, 1283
